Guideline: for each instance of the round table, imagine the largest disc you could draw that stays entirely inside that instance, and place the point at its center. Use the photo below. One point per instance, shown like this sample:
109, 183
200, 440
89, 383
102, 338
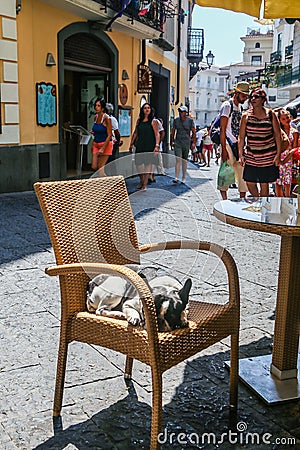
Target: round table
279, 216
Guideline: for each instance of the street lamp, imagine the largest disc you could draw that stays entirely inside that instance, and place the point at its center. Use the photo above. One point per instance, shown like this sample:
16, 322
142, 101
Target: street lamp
210, 59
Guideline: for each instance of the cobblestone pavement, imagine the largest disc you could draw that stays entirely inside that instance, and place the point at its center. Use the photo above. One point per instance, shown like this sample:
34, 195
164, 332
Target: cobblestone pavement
99, 410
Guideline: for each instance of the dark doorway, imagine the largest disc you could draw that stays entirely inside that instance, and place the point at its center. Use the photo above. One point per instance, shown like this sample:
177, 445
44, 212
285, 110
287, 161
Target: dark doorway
87, 73
159, 98
80, 93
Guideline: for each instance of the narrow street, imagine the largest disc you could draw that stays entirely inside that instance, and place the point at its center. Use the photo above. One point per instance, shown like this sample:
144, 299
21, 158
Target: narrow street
99, 411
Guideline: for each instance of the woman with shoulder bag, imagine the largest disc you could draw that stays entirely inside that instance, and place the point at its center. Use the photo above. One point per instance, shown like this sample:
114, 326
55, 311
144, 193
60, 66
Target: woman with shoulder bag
102, 130
259, 145
207, 147
146, 139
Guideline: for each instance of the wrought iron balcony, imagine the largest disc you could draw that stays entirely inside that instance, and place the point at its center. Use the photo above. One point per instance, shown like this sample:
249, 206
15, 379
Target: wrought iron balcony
195, 45
276, 74
289, 76
289, 51
275, 57
151, 14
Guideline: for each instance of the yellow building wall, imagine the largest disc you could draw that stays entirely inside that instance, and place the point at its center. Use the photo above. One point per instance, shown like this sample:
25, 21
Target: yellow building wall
38, 25
1, 71
130, 55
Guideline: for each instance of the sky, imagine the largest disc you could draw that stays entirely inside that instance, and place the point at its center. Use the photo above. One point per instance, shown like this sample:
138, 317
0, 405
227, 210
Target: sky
222, 32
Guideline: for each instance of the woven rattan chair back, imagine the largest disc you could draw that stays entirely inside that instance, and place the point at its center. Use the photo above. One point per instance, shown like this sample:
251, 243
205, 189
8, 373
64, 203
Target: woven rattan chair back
89, 221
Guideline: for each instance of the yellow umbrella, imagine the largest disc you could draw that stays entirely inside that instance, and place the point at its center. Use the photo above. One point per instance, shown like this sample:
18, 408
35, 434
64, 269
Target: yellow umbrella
273, 9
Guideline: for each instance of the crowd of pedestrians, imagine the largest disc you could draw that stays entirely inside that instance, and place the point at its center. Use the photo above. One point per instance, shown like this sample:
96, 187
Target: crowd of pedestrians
257, 144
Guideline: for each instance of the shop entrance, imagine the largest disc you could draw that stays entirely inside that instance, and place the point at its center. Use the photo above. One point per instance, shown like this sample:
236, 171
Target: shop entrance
80, 92
89, 63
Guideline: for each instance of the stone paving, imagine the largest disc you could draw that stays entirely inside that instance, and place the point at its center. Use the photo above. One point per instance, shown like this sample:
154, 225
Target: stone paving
100, 411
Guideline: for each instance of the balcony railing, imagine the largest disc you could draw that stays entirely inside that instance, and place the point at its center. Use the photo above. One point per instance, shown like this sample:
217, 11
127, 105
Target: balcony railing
289, 51
288, 77
195, 44
152, 14
275, 57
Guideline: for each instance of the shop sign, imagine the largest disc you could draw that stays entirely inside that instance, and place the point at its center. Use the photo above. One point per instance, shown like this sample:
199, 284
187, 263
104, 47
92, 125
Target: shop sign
45, 104
144, 79
123, 94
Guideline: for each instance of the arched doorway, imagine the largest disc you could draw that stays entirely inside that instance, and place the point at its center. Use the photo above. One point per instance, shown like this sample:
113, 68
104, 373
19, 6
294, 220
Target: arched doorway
87, 69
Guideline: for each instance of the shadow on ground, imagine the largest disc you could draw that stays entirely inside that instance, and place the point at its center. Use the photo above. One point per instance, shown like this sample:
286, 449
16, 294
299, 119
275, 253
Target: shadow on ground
23, 230
199, 410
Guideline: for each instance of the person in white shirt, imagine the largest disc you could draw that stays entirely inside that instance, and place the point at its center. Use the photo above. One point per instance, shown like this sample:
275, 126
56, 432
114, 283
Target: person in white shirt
117, 141
230, 119
207, 147
159, 165
199, 143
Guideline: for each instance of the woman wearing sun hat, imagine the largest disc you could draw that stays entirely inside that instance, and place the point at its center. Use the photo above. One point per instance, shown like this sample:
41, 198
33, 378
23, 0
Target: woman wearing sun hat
259, 144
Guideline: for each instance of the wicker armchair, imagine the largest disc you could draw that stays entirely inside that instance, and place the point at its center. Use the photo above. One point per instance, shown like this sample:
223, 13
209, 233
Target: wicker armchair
92, 230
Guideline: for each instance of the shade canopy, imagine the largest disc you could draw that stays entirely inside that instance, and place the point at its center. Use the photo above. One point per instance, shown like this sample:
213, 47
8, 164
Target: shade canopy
272, 9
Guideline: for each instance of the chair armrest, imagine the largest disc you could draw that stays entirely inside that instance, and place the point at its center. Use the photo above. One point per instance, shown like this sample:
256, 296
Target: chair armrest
143, 290
218, 250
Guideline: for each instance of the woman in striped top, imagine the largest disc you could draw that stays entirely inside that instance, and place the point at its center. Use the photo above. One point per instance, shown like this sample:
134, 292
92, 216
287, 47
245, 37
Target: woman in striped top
259, 145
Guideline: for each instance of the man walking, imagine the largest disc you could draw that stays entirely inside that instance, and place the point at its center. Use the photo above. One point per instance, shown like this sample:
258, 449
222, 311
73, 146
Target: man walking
183, 137
230, 118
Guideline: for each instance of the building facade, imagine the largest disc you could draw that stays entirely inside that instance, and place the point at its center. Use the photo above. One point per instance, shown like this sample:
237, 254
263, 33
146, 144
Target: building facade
257, 50
258, 47
283, 70
58, 56
211, 86
204, 94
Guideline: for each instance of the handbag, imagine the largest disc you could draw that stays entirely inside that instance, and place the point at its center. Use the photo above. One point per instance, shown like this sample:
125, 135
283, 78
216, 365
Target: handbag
226, 175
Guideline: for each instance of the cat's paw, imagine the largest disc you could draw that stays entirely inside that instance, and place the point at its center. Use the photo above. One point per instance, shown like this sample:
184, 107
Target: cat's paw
111, 314
134, 321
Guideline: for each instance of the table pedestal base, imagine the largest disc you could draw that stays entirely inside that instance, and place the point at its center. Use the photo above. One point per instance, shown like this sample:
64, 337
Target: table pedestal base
283, 374
255, 373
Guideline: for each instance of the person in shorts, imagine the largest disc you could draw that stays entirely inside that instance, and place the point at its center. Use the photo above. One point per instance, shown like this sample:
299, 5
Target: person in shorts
231, 114
199, 145
208, 146
102, 131
182, 139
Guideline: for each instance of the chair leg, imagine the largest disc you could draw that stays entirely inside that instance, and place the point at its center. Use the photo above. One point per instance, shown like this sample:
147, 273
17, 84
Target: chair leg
156, 422
128, 368
60, 377
234, 371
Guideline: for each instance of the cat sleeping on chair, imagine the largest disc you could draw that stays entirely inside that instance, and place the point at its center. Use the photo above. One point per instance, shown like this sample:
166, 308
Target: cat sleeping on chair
114, 296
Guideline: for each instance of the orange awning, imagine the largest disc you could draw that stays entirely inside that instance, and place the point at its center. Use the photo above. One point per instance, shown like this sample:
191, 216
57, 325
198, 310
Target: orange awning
273, 9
